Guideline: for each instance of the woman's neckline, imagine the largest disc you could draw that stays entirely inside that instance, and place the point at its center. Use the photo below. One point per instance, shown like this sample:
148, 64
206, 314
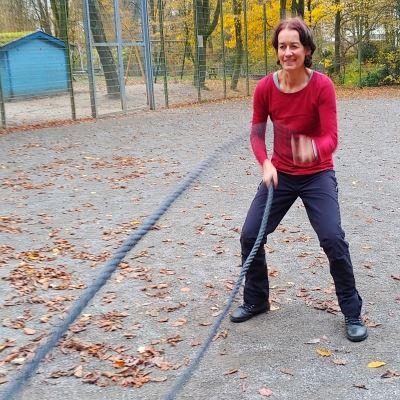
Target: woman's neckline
276, 82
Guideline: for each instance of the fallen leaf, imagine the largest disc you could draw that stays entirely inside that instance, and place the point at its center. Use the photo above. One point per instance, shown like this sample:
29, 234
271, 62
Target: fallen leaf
157, 379
141, 349
313, 341
58, 374
222, 334
78, 371
34, 255
390, 374
7, 343
360, 386
174, 340
323, 352
376, 364
231, 371
266, 392
119, 363
339, 361
371, 324
287, 371
18, 361
180, 322
45, 318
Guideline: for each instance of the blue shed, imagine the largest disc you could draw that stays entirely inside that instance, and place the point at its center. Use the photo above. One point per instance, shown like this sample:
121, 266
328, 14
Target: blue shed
33, 65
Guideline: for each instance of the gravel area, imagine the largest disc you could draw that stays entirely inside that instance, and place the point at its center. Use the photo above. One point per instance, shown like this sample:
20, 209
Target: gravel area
70, 195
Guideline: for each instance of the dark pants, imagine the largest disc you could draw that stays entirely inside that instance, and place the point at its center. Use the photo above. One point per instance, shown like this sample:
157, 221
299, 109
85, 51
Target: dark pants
320, 197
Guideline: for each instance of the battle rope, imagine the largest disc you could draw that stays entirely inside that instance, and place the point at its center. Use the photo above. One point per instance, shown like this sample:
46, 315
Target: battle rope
17, 384
184, 377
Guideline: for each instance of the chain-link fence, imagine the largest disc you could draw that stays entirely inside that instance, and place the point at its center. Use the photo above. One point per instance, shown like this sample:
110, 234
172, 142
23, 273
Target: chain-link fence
73, 59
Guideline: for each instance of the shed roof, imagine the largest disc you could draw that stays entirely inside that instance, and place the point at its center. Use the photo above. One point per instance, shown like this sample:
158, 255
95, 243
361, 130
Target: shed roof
30, 36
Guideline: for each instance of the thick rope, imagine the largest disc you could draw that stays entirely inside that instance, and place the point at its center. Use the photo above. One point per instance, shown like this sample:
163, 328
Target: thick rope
18, 383
185, 376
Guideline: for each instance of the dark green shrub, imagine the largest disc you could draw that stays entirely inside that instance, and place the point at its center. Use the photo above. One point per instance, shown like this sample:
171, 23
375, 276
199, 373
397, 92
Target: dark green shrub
374, 78
369, 51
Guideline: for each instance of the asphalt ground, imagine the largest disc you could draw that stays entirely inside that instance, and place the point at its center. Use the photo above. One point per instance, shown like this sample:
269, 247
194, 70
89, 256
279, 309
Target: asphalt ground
69, 197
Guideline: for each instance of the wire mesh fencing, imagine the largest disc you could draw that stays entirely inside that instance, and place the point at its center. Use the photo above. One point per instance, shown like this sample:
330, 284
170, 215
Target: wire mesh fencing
73, 59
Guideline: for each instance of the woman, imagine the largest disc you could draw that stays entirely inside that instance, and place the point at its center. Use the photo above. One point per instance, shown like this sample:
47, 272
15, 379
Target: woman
302, 107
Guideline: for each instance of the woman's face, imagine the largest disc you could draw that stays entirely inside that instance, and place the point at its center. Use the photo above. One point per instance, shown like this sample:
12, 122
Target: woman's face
291, 53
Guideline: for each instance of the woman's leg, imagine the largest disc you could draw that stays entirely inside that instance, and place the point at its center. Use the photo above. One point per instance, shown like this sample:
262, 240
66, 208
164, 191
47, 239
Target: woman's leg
320, 197
256, 289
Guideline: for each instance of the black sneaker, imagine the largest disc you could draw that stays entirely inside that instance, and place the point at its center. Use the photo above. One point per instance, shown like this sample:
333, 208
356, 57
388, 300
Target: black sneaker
355, 329
247, 311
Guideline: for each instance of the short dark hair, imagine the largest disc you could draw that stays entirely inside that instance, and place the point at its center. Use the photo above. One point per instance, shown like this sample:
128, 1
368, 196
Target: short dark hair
305, 35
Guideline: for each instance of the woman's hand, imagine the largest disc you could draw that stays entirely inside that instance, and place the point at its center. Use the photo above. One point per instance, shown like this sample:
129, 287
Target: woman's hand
302, 149
270, 175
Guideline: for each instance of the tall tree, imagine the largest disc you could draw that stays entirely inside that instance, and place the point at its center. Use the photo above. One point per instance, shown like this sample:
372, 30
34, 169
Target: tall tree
282, 9
237, 13
55, 10
298, 8
42, 14
337, 58
105, 54
205, 27
397, 14
309, 11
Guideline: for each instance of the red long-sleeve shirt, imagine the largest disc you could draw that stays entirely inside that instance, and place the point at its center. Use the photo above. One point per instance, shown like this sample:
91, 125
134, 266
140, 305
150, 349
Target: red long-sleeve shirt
310, 111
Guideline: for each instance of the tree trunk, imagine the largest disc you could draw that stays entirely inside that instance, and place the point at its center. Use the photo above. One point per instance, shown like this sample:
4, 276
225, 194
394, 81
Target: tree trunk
298, 8
397, 17
336, 61
282, 9
55, 9
201, 13
237, 12
153, 24
202, 60
105, 54
44, 17
309, 11
63, 15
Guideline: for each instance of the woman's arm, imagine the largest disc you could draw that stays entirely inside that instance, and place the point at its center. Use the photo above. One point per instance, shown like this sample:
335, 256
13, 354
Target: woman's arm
257, 134
326, 143
259, 122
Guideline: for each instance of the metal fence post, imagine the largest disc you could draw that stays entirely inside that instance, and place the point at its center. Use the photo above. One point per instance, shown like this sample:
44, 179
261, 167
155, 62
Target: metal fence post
118, 36
223, 46
2, 107
89, 51
246, 45
64, 34
161, 23
359, 51
196, 44
147, 54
